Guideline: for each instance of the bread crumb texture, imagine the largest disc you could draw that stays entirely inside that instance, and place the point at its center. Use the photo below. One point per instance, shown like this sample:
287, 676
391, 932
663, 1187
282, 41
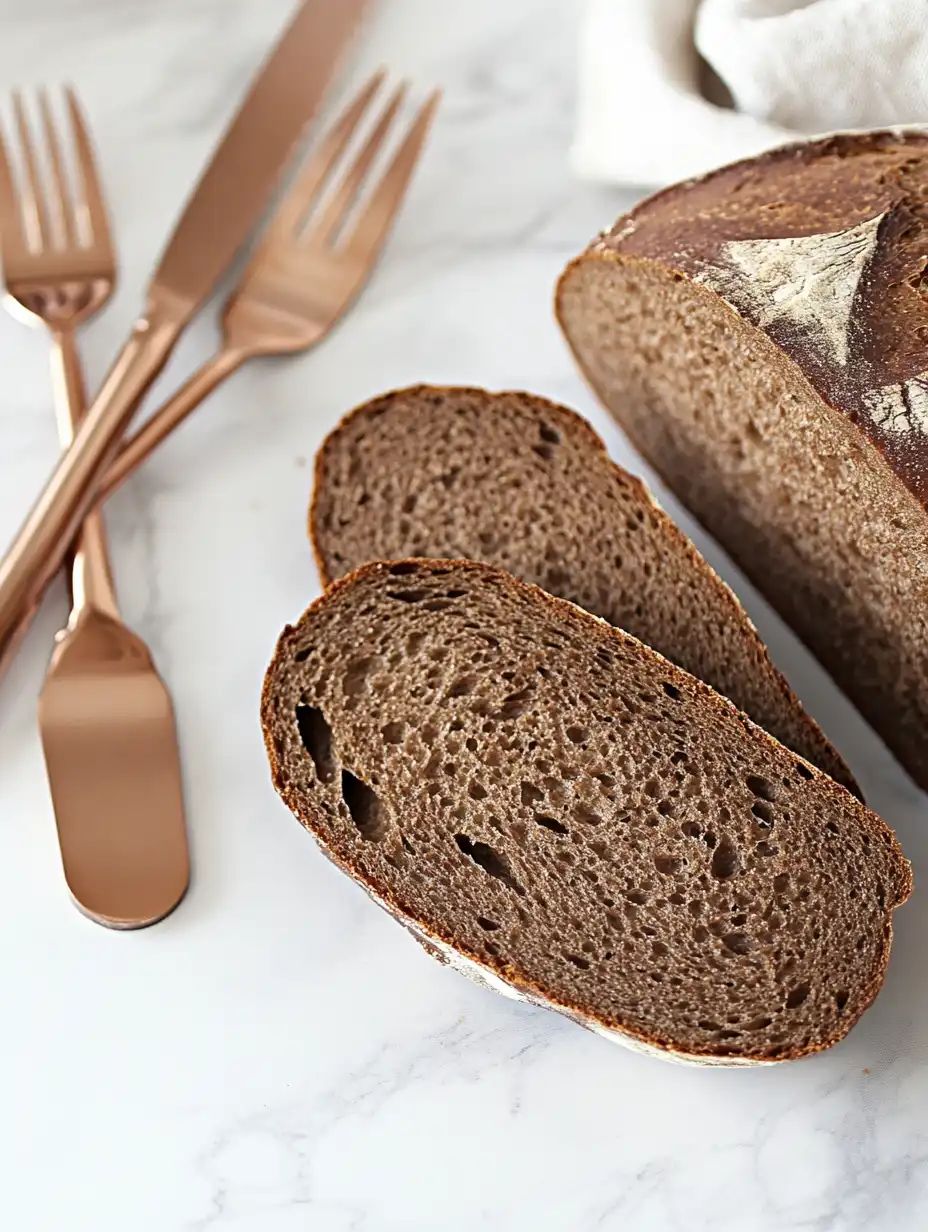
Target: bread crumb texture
517, 481
548, 803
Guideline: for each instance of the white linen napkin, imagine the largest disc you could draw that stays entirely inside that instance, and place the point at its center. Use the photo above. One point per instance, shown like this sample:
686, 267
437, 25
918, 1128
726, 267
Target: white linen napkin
792, 68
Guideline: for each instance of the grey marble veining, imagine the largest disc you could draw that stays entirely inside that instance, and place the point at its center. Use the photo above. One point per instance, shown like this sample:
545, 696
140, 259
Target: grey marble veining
279, 1056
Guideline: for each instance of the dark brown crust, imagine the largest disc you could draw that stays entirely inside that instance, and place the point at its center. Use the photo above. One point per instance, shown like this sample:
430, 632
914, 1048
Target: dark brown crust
808, 189
829, 757
591, 628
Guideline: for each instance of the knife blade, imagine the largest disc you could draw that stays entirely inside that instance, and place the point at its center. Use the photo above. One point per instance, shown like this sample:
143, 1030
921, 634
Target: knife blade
235, 187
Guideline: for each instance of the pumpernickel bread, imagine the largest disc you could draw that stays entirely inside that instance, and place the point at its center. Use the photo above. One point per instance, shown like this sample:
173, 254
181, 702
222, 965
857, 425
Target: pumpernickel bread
568, 817
761, 333
517, 481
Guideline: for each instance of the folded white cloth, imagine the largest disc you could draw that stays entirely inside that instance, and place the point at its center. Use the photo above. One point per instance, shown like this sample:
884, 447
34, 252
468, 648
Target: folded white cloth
792, 67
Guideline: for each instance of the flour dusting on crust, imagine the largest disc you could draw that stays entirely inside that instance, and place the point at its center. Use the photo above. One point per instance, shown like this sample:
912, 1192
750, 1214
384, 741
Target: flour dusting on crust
900, 410
808, 281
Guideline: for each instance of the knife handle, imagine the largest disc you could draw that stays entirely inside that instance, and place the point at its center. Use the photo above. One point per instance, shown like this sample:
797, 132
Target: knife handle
42, 543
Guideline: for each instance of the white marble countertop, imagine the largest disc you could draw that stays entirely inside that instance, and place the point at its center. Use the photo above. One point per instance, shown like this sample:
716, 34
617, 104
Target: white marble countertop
278, 1055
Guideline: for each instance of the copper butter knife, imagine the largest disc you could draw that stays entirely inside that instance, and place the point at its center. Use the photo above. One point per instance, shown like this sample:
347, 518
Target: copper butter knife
224, 207
105, 716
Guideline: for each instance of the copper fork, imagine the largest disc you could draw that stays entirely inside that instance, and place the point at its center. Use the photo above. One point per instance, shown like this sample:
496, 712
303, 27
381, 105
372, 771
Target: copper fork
105, 716
315, 256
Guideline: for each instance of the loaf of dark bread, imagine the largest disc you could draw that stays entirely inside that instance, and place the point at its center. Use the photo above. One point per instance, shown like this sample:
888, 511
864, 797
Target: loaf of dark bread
761, 333
571, 819
520, 482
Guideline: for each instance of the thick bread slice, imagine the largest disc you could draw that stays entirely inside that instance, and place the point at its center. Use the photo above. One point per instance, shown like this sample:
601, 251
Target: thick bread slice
760, 334
568, 816
520, 482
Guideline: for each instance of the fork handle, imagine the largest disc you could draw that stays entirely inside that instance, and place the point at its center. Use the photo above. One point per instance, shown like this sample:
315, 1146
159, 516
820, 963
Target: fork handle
91, 575
43, 541
173, 412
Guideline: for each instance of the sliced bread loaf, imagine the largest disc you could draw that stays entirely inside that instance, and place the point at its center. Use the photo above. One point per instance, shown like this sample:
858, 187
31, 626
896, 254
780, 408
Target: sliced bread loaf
760, 334
568, 817
520, 482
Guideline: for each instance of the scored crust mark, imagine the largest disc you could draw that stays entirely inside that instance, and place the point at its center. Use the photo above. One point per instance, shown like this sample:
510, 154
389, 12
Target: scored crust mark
900, 410
520, 482
714, 898
807, 282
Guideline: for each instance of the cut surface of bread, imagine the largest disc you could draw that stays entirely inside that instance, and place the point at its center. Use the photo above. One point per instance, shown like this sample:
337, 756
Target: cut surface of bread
760, 335
549, 803
523, 483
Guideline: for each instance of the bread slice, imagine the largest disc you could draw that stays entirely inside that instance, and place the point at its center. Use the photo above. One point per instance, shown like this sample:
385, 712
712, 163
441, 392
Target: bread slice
520, 482
760, 335
567, 816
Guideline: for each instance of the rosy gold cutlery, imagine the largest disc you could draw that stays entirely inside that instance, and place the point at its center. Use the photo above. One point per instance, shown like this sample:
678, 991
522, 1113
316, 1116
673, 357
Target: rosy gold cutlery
105, 717
222, 210
311, 263
299, 282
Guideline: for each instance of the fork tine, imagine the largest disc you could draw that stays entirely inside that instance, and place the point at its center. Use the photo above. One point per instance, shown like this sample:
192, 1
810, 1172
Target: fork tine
292, 209
65, 206
333, 215
92, 194
12, 232
35, 208
370, 230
